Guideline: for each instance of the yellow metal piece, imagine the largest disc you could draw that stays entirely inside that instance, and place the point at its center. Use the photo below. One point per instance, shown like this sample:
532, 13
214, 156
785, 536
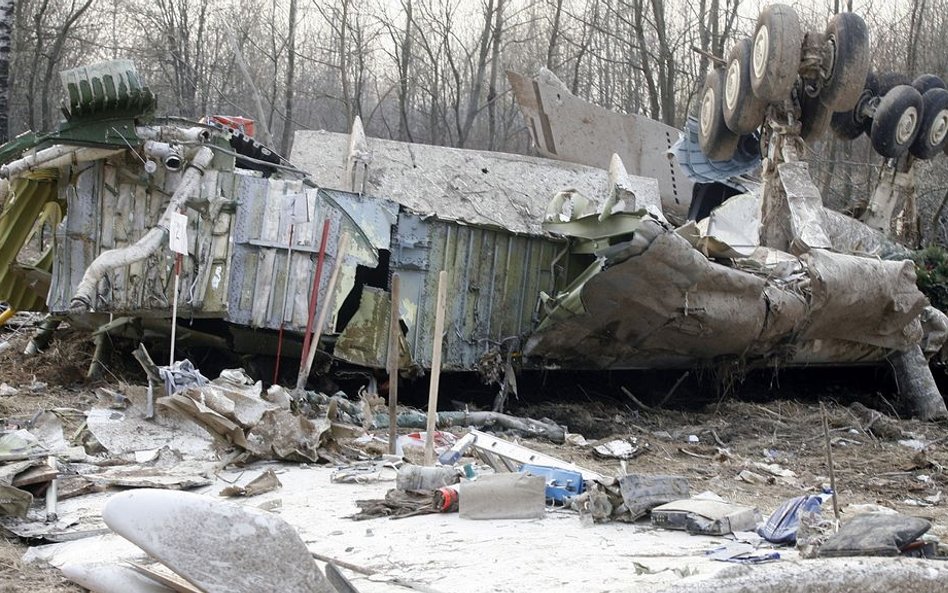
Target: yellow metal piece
6, 315
27, 203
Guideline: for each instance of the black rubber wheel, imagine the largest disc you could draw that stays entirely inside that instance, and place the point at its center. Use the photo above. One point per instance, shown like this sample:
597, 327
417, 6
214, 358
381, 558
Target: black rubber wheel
716, 140
814, 118
846, 126
776, 53
927, 82
887, 81
897, 121
848, 38
743, 111
934, 128
849, 124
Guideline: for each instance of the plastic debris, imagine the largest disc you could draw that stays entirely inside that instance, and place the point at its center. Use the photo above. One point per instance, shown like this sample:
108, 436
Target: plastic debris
781, 527
642, 493
706, 517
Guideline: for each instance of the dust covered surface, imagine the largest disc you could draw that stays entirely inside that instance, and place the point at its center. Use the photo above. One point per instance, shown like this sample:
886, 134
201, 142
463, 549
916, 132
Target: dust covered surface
768, 430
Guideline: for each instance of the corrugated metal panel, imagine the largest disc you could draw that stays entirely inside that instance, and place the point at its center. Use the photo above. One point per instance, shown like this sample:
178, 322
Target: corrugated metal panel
261, 237
239, 228
494, 278
111, 208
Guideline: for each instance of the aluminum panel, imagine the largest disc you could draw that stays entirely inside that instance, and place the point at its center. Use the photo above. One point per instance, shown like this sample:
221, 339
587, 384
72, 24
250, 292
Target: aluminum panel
494, 283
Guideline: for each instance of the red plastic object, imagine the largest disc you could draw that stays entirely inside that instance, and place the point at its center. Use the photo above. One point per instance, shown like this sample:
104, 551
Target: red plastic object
235, 122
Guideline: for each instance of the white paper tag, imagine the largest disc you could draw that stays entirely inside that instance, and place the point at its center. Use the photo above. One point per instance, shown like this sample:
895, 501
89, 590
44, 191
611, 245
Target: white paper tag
298, 208
178, 233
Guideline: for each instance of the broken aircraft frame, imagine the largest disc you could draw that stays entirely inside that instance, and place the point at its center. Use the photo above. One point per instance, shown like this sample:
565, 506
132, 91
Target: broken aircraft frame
559, 264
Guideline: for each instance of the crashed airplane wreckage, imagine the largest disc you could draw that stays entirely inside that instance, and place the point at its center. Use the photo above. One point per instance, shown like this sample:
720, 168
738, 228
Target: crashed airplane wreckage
550, 264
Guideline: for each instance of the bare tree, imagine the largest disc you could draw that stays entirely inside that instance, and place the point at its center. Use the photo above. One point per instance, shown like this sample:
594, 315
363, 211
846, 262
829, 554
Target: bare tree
6, 41
495, 66
51, 55
551, 48
915, 26
290, 80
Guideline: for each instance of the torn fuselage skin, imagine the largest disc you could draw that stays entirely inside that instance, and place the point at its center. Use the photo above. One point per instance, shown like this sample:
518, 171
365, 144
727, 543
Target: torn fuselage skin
596, 278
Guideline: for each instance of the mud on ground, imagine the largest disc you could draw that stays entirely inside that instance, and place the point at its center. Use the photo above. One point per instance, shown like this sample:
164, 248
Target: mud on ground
711, 445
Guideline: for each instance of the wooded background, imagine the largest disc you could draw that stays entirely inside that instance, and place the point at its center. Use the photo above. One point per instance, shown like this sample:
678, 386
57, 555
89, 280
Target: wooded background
432, 71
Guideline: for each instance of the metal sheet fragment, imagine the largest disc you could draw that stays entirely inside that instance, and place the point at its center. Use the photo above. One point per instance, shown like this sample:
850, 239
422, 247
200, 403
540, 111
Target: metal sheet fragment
671, 306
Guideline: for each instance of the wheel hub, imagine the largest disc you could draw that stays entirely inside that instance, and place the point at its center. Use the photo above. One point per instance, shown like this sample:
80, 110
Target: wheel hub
707, 111
829, 60
732, 84
939, 129
907, 125
761, 51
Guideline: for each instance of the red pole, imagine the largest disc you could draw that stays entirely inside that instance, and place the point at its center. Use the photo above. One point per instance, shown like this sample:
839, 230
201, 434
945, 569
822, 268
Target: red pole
314, 294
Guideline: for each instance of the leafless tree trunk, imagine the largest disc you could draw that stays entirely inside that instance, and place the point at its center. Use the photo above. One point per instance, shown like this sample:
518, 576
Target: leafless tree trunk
494, 68
38, 50
473, 106
551, 48
915, 29
404, 71
6, 41
290, 81
645, 62
53, 58
344, 60
264, 134
666, 65
583, 47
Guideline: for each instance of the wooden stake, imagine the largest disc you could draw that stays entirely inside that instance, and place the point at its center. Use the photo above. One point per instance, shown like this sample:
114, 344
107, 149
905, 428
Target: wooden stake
435, 369
829, 462
394, 331
323, 312
314, 294
174, 305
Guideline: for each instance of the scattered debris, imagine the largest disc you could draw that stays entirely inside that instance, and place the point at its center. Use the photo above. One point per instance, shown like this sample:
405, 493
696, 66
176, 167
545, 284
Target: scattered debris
627, 448
782, 526
561, 485
705, 516
414, 478
506, 456
741, 553
265, 482
641, 493
524, 427
753, 478
396, 504
503, 496
875, 534
625, 287
876, 422
362, 472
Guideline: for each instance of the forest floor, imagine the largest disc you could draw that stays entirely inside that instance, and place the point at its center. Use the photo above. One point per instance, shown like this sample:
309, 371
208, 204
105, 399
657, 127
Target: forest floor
896, 463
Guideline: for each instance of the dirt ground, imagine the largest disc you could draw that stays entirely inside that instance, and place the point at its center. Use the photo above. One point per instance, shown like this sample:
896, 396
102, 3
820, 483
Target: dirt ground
712, 444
